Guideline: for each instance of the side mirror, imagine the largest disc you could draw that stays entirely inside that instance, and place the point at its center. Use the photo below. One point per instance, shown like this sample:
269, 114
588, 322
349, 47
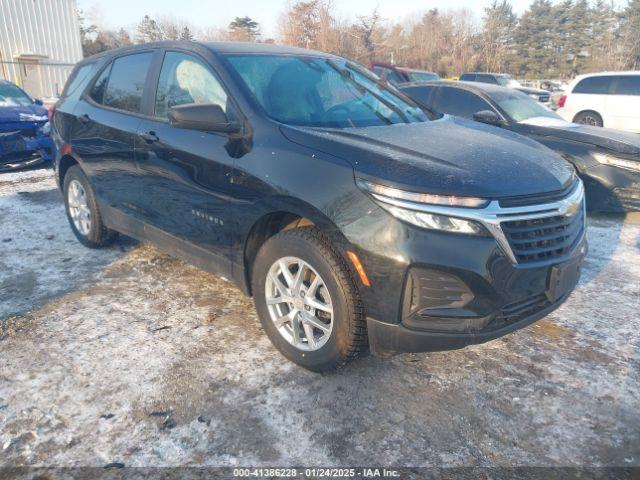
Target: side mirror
37, 101
489, 117
208, 117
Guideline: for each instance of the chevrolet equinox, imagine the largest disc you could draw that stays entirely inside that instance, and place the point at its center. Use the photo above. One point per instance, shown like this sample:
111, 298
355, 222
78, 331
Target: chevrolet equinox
355, 219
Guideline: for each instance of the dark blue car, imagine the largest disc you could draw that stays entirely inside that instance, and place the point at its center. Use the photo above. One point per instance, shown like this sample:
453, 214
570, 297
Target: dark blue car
24, 129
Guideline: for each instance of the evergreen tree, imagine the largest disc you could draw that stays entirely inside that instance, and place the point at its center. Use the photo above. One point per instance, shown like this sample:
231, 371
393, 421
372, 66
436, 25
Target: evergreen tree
149, 31
186, 34
244, 29
534, 37
579, 40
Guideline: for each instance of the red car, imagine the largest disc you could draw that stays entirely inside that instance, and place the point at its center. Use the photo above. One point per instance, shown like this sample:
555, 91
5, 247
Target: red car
396, 75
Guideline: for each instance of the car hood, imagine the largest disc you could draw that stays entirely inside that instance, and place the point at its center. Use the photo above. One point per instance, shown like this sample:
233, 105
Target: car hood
29, 113
449, 156
616, 141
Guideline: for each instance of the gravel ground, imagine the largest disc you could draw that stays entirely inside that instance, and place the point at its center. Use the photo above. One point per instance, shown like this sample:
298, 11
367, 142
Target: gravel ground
127, 355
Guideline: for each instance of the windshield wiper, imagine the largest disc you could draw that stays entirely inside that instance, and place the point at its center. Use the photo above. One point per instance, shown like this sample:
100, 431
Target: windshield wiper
348, 74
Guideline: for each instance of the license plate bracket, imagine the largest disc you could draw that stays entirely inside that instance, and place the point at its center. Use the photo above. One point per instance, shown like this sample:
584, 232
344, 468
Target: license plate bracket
13, 146
562, 278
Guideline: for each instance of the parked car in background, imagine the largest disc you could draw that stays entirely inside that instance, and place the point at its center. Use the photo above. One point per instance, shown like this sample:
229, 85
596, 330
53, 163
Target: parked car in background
610, 99
608, 161
24, 129
506, 80
396, 75
351, 216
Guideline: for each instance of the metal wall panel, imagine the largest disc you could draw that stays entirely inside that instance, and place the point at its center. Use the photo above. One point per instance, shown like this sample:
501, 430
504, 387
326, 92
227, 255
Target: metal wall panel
47, 28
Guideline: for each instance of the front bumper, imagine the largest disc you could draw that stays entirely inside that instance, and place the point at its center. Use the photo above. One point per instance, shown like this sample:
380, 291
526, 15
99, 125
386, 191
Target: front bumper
385, 338
432, 290
23, 147
612, 189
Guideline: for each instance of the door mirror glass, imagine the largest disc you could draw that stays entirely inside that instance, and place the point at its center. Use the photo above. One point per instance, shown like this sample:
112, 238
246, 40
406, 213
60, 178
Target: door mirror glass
208, 117
488, 116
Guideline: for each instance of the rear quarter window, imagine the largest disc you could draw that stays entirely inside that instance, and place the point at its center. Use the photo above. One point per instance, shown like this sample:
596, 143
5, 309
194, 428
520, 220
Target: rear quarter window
79, 78
594, 85
100, 85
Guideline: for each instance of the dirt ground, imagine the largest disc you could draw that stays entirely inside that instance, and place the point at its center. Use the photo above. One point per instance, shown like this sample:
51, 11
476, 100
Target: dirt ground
127, 355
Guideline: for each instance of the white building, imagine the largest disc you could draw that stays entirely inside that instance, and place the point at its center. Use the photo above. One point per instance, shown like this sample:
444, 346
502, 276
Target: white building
39, 44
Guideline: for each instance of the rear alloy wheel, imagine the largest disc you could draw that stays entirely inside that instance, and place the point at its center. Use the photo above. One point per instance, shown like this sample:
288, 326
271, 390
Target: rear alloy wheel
82, 210
307, 300
588, 118
79, 207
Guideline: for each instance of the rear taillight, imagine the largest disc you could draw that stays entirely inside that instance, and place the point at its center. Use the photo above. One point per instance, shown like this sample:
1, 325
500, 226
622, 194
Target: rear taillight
50, 112
562, 101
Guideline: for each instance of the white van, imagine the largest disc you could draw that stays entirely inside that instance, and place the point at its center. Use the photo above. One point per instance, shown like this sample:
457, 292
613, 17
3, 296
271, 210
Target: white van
608, 99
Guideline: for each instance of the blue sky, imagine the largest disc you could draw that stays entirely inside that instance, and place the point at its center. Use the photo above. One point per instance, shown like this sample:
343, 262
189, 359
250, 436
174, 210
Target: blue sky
218, 13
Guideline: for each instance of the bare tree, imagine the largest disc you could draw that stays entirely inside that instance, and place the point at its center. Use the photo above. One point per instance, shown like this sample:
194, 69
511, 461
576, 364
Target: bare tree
499, 23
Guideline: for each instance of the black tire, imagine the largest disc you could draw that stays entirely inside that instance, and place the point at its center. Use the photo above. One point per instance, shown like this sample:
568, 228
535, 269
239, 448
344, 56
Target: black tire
589, 118
348, 337
98, 235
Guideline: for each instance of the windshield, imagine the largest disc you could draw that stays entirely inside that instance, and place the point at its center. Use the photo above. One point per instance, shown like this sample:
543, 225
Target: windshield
422, 76
320, 92
12, 96
507, 81
520, 107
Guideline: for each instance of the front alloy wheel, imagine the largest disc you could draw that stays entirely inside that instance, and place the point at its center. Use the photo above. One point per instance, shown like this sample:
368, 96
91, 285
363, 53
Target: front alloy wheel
307, 300
299, 303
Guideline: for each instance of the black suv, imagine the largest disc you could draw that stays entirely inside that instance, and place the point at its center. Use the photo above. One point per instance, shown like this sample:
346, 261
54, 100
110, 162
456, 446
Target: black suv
353, 217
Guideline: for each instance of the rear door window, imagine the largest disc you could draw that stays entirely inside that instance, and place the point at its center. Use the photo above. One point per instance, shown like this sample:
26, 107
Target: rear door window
594, 85
421, 94
460, 103
627, 85
126, 82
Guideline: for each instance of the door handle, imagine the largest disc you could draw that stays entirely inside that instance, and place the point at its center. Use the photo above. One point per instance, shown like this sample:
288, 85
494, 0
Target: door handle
149, 137
84, 118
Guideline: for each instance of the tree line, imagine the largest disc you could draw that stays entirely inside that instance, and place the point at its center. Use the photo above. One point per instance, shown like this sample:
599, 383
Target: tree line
558, 39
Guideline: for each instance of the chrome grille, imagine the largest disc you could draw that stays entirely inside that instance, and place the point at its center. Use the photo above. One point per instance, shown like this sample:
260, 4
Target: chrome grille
547, 238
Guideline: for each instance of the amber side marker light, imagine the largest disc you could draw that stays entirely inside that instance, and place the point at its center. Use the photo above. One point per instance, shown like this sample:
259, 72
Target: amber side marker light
66, 149
359, 268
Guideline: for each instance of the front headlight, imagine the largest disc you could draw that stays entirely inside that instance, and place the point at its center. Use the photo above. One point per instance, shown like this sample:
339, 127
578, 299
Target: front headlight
399, 203
617, 162
433, 221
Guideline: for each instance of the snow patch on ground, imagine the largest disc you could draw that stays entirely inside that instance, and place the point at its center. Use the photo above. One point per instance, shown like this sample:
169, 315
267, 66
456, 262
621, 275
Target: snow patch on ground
127, 355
